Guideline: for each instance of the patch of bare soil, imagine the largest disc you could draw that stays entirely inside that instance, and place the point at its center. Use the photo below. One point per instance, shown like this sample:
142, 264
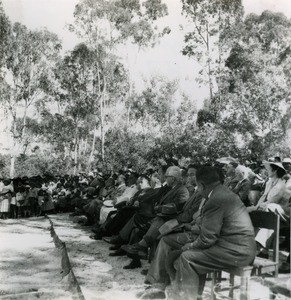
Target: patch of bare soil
29, 261
30, 265
99, 275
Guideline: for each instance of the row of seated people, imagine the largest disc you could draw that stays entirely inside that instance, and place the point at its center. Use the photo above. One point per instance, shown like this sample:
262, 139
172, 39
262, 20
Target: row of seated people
212, 221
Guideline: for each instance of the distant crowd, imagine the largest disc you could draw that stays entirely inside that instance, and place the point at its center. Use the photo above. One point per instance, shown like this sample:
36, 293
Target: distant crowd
164, 212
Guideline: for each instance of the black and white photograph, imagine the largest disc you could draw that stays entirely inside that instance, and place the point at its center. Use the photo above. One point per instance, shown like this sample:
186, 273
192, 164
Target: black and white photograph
145, 149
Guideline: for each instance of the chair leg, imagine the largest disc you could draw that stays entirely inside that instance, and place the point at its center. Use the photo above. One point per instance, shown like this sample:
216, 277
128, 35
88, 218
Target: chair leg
272, 295
244, 288
213, 282
231, 281
215, 278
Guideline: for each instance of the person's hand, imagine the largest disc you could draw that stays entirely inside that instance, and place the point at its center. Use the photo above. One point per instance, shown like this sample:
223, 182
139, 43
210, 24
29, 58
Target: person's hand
157, 208
251, 208
262, 206
187, 226
187, 246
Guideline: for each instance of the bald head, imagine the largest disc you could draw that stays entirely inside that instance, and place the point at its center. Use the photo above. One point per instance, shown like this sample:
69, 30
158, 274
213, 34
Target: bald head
173, 175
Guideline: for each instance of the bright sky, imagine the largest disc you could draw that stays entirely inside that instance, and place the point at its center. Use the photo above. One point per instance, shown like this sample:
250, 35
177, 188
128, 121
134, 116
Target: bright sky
164, 59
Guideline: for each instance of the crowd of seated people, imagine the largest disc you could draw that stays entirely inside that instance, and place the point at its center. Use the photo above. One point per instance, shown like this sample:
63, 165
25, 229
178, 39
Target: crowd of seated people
187, 221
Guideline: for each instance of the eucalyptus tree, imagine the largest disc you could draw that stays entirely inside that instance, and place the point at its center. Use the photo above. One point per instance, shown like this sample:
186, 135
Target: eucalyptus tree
77, 81
256, 89
5, 27
29, 56
153, 107
210, 22
74, 74
106, 24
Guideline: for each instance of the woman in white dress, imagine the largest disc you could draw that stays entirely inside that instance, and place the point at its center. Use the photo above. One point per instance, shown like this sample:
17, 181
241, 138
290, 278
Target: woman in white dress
5, 198
272, 200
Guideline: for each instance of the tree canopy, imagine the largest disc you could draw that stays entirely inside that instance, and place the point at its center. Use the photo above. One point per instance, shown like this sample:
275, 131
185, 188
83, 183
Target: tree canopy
70, 112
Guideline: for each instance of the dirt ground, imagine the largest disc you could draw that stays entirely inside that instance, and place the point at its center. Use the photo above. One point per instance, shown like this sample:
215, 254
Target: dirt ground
30, 265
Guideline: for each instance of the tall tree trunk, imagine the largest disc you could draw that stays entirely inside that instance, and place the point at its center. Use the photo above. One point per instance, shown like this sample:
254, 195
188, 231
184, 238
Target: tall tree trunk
14, 149
101, 95
102, 100
92, 150
129, 102
219, 62
23, 132
76, 151
209, 66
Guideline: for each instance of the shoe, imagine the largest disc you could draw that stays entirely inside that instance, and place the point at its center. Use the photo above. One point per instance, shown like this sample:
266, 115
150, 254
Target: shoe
284, 268
96, 230
285, 245
74, 214
96, 236
136, 249
133, 265
114, 247
119, 252
88, 224
115, 240
153, 293
263, 255
144, 272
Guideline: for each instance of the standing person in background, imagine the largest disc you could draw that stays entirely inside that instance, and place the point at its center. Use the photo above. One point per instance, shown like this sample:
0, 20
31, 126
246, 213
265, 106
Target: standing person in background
5, 198
33, 199
20, 200
13, 202
47, 205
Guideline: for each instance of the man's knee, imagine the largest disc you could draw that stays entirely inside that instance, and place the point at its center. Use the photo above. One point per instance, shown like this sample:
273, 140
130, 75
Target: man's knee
190, 256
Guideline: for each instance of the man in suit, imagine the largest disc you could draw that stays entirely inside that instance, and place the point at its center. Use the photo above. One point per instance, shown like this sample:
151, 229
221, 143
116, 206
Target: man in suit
114, 222
178, 194
222, 237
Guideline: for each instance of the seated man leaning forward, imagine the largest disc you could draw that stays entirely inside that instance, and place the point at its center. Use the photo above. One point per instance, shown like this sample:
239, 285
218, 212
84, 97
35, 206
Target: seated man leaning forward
222, 237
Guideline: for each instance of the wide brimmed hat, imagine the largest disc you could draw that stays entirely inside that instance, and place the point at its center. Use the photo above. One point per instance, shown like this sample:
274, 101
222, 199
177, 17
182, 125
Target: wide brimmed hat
275, 163
108, 203
287, 160
227, 160
168, 210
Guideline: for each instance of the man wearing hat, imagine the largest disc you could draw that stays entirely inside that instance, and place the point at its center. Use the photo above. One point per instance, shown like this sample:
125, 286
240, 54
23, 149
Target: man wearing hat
222, 237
